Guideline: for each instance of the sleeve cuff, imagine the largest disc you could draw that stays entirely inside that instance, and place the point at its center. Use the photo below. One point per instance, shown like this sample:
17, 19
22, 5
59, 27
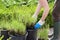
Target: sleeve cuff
41, 22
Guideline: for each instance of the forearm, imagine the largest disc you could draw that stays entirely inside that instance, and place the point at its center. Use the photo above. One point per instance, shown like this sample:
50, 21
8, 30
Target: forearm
37, 9
45, 14
46, 9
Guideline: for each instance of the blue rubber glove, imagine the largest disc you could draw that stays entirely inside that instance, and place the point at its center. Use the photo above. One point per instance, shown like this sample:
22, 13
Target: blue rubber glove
38, 25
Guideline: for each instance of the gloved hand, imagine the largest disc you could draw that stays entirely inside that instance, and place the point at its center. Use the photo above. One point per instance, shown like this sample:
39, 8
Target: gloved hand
39, 24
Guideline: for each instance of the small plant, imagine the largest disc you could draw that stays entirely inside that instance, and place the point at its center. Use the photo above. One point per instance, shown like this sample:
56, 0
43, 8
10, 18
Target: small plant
5, 25
28, 20
43, 32
18, 27
14, 25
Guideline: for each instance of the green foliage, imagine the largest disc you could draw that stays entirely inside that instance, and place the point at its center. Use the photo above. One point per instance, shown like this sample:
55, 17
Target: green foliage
49, 19
16, 14
16, 17
18, 27
43, 33
8, 3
